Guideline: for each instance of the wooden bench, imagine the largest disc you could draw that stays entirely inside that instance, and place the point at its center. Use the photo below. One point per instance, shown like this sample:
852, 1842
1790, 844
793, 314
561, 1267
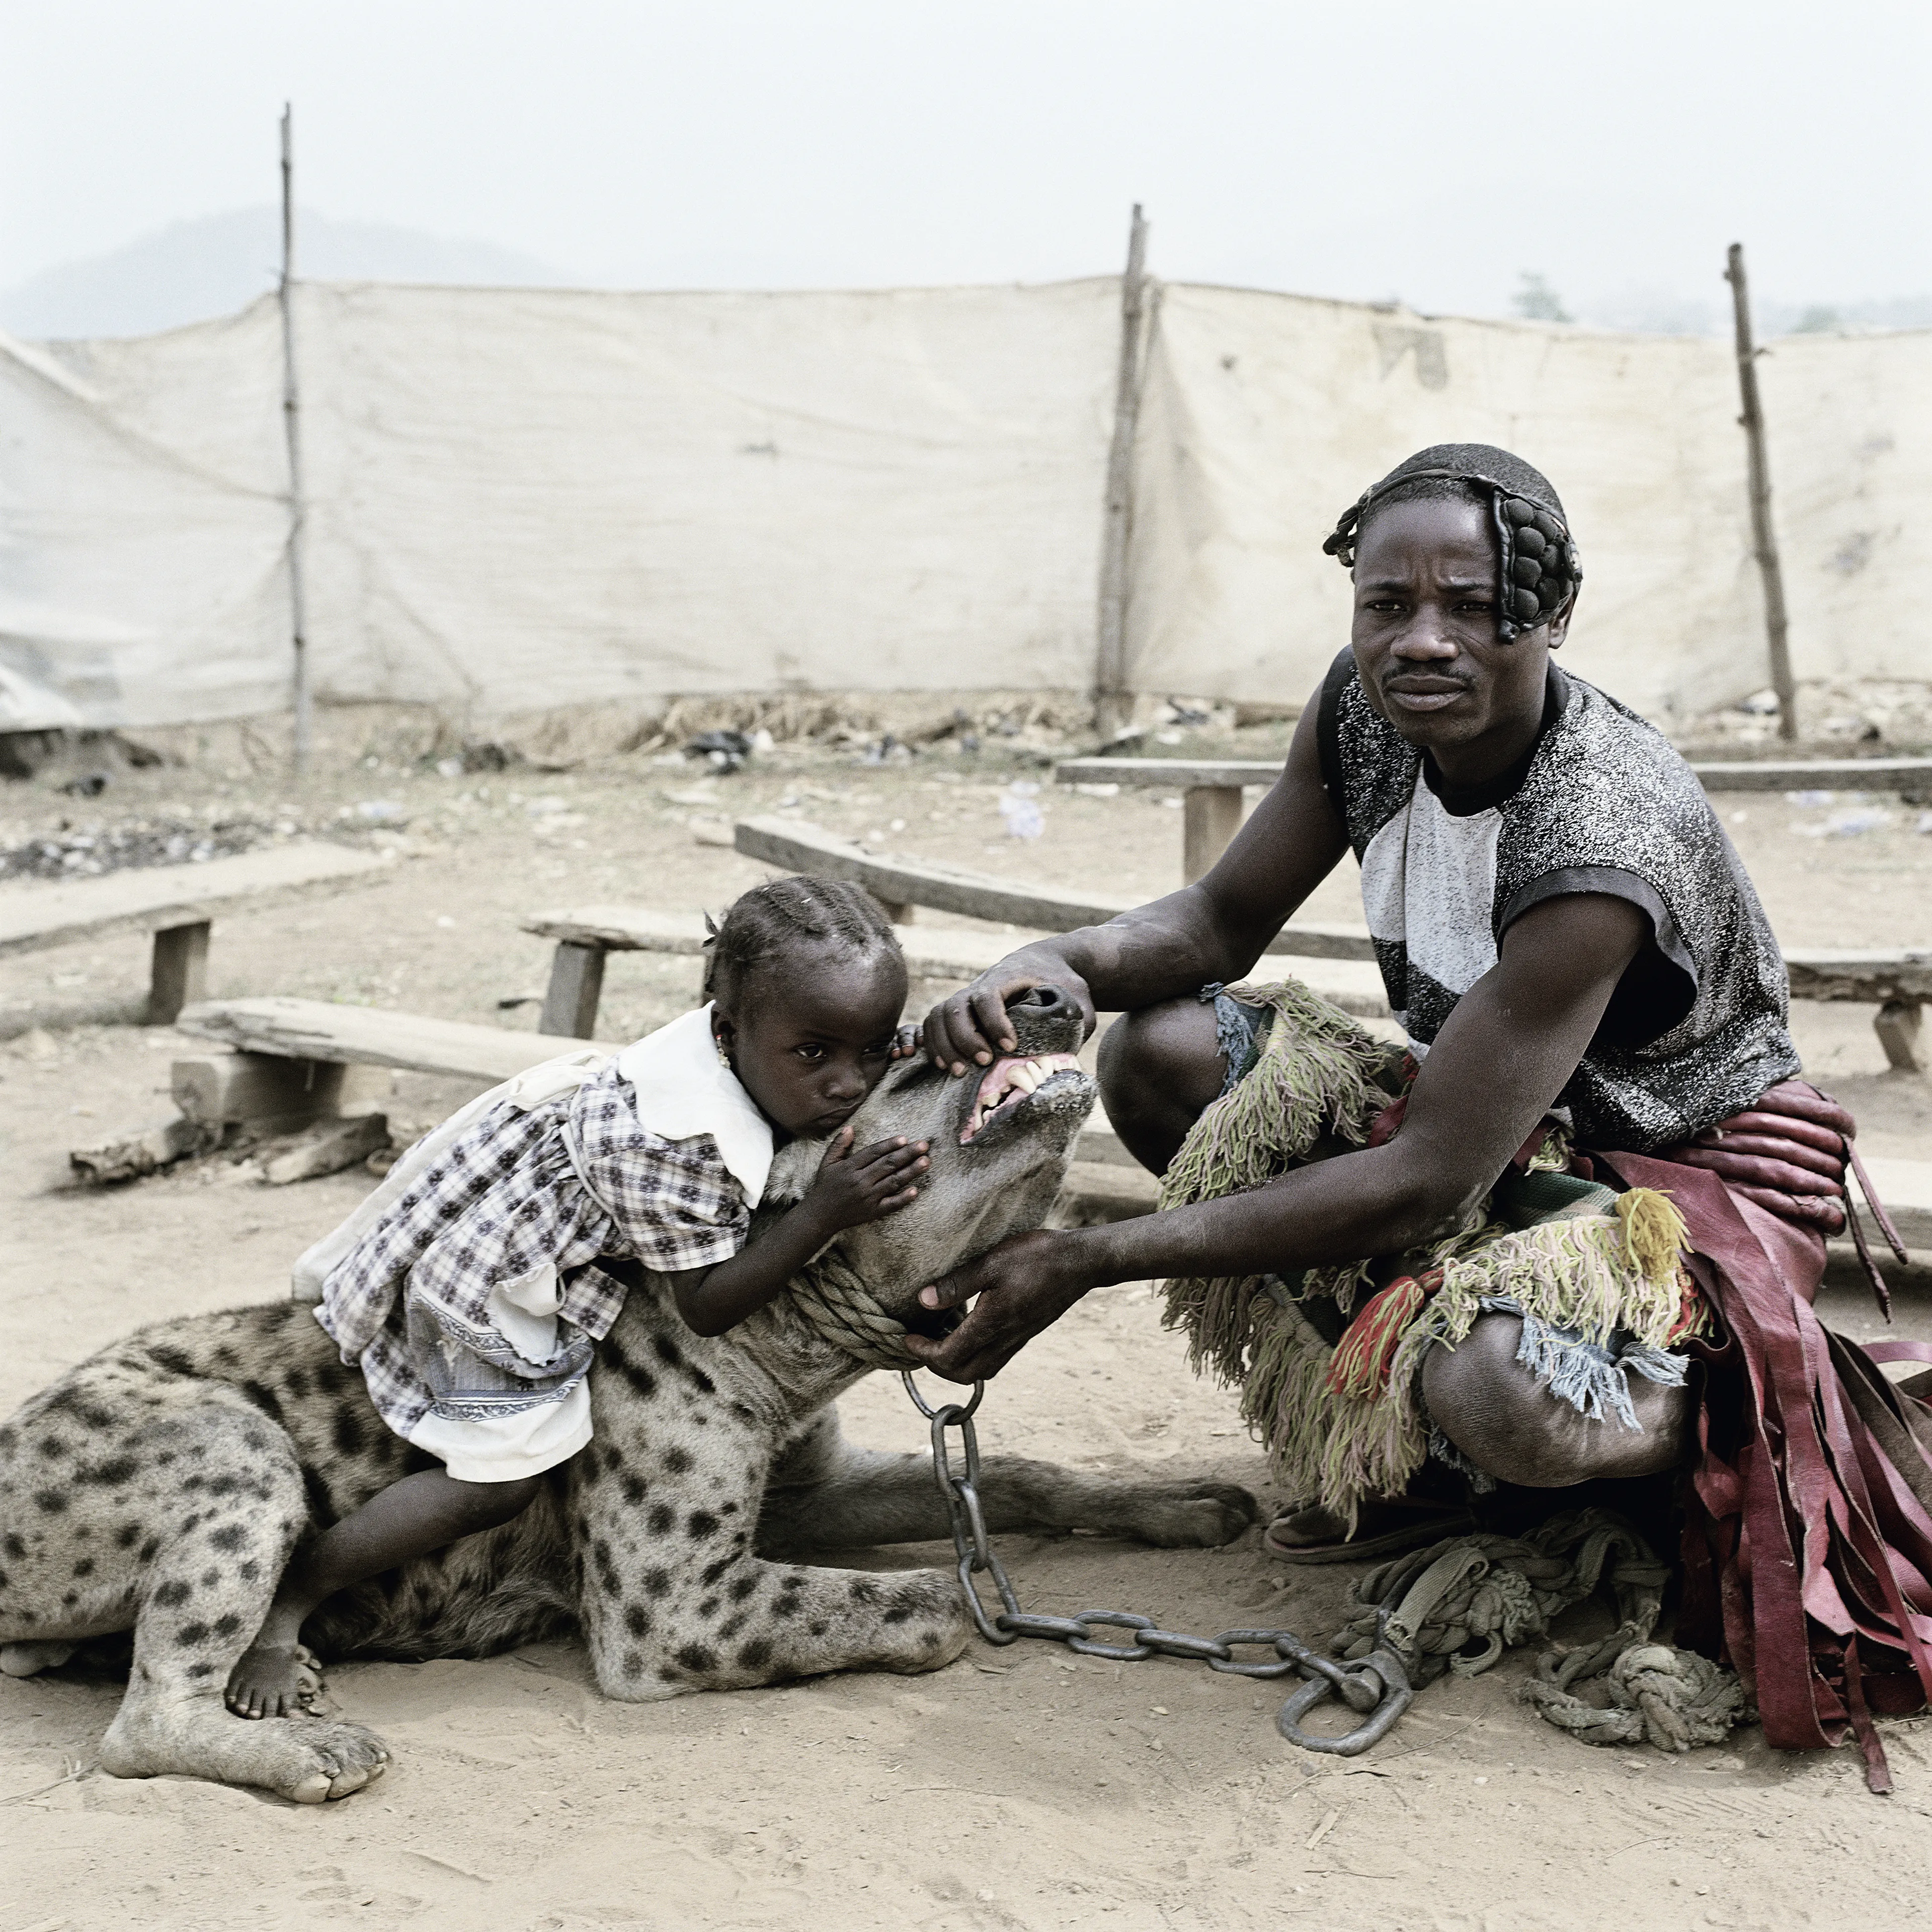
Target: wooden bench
1900, 981
1210, 792
1211, 788
325, 1036
584, 936
1897, 981
319, 1030
178, 904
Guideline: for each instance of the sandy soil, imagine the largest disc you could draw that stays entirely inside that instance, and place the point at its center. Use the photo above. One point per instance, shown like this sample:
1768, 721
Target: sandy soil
1022, 1788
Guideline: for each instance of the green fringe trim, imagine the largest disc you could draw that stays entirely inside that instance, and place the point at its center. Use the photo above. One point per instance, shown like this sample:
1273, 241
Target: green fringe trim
1320, 1081
1571, 1273
1321, 1077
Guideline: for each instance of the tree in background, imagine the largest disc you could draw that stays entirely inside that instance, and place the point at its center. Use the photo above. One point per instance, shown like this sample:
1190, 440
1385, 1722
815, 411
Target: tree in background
1536, 300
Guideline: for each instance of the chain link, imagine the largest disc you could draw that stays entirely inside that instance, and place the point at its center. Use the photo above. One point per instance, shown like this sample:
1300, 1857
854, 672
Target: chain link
1376, 1687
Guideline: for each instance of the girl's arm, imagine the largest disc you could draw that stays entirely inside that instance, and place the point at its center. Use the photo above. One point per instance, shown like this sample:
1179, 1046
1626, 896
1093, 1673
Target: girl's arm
851, 1188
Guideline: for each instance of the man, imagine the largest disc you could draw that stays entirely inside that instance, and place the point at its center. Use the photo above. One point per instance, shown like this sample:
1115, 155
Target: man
1591, 995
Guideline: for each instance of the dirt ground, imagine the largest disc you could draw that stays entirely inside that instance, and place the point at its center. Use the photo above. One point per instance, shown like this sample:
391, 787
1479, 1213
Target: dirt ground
1021, 1788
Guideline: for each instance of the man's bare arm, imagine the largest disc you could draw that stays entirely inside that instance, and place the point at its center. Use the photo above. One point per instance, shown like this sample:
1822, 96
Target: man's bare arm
1214, 929
1508, 1051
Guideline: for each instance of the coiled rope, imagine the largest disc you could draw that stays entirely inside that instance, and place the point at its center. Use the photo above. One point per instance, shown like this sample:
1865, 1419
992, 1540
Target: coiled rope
843, 1311
1459, 1604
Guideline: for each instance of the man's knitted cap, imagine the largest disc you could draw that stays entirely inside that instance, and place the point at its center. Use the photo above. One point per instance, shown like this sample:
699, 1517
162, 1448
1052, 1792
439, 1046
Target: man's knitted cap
1539, 571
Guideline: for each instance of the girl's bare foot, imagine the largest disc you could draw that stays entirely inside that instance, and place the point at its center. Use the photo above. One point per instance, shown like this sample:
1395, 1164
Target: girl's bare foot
276, 1680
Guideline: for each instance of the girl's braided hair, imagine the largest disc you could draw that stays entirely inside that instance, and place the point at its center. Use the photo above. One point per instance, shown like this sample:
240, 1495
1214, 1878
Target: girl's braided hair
772, 920
1539, 571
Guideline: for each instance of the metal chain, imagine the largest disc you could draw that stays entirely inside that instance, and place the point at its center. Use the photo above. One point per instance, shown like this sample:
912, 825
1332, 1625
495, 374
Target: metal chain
1377, 1686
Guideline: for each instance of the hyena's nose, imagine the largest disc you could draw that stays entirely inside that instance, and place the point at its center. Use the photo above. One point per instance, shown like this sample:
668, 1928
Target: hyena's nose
1044, 1003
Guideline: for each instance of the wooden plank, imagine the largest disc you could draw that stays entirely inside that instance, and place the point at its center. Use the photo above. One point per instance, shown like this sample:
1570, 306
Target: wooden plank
177, 975
1899, 1026
1168, 774
1100, 1146
369, 1037
1717, 775
1091, 1195
315, 1030
1816, 973
621, 928
1830, 973
153, 898
804, 848
932, 953
576, 985
1815, 774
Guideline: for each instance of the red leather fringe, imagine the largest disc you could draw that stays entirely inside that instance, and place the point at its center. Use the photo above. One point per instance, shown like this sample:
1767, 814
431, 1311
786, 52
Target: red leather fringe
1808, 1540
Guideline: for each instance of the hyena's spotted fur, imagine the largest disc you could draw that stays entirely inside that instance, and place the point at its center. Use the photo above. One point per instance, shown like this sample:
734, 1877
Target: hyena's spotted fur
160, 1487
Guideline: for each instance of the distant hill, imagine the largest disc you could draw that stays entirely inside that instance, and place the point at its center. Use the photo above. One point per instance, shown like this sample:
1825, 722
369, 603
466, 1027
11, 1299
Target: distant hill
195, 270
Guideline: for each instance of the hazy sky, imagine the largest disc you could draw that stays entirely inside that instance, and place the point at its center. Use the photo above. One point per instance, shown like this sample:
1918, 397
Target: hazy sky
1429, 151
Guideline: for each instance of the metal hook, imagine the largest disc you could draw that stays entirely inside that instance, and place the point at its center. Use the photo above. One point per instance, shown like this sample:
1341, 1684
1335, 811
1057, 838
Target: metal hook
1381, 1672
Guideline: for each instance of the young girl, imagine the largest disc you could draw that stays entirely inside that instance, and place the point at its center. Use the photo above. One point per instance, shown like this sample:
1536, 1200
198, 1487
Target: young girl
459, 1303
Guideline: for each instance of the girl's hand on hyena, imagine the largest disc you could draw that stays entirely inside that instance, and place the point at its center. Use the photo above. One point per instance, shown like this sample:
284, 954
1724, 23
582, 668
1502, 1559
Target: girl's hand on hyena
852, 1187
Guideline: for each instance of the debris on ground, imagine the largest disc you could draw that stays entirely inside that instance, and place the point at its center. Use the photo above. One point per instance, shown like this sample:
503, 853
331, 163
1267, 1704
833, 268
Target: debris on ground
326, 1147
142, 1150
1847, 824
1019, 807
72, 854
722, 751
1837, 717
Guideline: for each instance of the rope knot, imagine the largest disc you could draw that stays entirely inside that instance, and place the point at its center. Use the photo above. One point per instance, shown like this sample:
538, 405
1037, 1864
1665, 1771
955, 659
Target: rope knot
1458, 1605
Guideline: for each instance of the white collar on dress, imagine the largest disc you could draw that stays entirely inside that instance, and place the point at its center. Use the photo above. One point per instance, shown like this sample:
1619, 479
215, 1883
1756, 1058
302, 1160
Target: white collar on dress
683, 1089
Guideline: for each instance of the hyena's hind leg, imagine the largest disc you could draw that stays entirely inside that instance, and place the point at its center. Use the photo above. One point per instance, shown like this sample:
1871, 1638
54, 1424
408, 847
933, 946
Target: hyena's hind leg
207, 1585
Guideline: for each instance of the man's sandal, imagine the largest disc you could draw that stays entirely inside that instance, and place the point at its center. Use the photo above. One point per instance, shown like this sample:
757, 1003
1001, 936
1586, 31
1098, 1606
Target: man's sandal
1322, 1541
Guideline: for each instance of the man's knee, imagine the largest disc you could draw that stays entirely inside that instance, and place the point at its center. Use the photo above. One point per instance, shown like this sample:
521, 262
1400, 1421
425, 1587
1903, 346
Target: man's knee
1509, 1425
1161, 1056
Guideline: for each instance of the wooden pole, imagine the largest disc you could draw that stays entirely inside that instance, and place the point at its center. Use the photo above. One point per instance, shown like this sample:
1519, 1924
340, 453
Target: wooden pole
1763, 536
1113, 703
304, 730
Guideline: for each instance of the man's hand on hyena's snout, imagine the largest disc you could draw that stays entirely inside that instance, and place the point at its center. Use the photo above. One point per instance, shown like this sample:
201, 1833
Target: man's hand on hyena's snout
852, 1188
973, 1028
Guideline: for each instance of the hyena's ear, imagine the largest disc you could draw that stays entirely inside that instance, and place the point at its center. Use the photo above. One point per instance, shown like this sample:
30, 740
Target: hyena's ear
794, 1167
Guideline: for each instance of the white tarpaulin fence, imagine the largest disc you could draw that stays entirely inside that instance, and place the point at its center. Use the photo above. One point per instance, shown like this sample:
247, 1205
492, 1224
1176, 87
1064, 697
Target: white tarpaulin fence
520, 499
1264, 416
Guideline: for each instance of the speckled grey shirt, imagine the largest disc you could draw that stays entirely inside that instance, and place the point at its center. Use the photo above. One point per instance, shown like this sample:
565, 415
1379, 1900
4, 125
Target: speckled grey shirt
1697, 1028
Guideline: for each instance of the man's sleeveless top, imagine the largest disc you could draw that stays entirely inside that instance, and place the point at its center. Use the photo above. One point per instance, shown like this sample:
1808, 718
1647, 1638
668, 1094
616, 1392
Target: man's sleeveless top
1697, 1028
